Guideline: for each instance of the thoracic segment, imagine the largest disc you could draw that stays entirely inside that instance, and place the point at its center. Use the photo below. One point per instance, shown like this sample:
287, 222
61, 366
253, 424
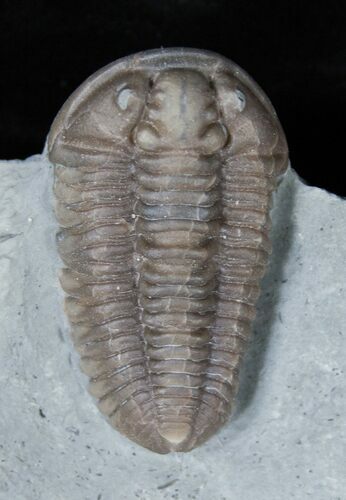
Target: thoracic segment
97, 247
243, 249
197, 284
177, 227
162, 276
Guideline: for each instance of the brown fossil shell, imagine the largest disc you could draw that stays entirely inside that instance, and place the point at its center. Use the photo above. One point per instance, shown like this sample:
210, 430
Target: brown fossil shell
165, 163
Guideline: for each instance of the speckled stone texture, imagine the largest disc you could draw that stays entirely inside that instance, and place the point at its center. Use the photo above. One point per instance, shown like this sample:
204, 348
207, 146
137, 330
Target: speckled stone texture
285, 440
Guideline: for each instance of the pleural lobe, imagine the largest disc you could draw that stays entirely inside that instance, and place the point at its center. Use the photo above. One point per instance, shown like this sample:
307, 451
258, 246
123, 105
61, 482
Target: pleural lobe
165, 166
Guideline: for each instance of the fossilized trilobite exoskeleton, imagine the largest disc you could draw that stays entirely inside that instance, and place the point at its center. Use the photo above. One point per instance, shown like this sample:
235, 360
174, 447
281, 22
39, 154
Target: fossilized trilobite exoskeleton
165, 163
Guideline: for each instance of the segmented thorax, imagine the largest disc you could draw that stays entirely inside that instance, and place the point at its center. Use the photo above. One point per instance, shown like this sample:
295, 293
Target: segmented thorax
165, 167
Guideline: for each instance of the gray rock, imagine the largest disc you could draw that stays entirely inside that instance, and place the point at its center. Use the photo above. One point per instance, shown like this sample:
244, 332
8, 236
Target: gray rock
287, 437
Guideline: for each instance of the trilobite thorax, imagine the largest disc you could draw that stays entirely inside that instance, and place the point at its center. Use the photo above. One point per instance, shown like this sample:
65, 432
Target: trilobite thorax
165, 165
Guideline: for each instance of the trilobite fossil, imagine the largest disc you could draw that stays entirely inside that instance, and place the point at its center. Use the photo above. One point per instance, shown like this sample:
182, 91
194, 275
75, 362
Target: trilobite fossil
165, 163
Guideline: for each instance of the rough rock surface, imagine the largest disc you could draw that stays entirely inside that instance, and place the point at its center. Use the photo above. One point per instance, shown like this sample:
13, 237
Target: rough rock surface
287, 437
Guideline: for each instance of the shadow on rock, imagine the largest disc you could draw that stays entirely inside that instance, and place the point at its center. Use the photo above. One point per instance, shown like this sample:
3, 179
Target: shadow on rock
268, 304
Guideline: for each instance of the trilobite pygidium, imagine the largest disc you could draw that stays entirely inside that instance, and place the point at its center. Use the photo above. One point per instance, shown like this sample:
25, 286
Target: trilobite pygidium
165, 163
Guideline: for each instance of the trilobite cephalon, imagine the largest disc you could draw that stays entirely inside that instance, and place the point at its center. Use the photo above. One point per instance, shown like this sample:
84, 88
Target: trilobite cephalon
165, 163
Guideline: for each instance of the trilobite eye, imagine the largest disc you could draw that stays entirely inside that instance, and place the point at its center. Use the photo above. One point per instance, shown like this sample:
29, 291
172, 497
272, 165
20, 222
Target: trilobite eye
125, 97
241, 99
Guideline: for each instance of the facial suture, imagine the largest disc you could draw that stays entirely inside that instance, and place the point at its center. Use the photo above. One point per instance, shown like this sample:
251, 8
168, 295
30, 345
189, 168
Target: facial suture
165, 164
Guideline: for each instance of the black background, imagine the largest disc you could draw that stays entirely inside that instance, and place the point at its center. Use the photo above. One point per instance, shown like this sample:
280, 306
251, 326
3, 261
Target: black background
296, 51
